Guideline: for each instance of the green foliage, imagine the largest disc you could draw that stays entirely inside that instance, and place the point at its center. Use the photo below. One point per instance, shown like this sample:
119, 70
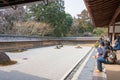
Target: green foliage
85, 22
53, 14
98, 31
96, 44
82, 24
69, 20
85, 27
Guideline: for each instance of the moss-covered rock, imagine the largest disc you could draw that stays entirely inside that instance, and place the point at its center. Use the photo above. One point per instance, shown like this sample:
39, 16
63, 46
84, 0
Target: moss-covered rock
4, 57
5, 60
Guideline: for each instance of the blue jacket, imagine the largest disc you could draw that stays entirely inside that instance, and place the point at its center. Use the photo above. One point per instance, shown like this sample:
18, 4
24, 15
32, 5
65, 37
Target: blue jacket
117, 46
100, 50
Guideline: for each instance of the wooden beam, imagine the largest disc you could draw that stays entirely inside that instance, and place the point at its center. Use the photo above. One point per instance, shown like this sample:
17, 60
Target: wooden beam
113, 34
17, 2
5, 2
103, 3
117, 12
89, 10
108, 31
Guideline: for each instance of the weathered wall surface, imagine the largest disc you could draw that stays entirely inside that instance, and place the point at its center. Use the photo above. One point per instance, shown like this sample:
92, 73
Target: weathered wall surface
10, 42
9, 46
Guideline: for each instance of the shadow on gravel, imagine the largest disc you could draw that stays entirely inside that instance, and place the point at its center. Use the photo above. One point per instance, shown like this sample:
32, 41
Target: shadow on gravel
15, 75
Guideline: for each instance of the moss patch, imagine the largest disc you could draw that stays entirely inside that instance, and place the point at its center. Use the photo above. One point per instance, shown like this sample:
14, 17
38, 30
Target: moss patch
96, 44
8, 63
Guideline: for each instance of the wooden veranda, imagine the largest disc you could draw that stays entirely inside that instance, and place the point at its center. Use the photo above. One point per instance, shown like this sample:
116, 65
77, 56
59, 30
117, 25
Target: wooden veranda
105, 13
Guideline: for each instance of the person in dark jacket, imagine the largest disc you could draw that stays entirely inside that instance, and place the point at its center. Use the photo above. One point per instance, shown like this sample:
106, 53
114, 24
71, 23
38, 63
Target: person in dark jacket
103, 58
117, 44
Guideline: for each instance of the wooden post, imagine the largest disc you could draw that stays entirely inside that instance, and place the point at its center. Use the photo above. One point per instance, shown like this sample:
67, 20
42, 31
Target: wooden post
108, 31
113, 33
112, 23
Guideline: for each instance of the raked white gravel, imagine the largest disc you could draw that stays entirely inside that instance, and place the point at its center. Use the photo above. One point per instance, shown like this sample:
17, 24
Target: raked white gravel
45, 63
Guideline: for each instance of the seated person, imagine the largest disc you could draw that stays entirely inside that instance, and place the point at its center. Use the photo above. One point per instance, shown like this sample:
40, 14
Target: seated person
117, 45
104, 57
100, 50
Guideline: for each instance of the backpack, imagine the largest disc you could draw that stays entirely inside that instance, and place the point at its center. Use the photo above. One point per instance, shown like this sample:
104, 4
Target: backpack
112, 57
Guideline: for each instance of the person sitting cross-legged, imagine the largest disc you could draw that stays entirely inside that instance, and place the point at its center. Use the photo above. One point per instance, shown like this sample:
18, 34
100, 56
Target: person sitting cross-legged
104, 58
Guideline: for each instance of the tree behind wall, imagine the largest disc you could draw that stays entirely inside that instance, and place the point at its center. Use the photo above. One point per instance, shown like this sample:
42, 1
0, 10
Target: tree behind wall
82, 24
85, 22
53, 14
8, 17
32, 28
99, 31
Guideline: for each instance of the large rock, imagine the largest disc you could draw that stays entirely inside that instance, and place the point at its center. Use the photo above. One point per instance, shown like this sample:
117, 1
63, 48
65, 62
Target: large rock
4, 58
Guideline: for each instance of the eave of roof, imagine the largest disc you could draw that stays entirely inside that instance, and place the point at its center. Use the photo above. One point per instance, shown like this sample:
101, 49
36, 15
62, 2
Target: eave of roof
102, 11
5, 3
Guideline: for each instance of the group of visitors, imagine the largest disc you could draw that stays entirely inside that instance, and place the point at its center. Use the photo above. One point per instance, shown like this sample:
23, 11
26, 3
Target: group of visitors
106, 53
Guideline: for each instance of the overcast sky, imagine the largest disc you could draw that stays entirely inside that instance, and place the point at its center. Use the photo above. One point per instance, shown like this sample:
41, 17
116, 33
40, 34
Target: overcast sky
74, 7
